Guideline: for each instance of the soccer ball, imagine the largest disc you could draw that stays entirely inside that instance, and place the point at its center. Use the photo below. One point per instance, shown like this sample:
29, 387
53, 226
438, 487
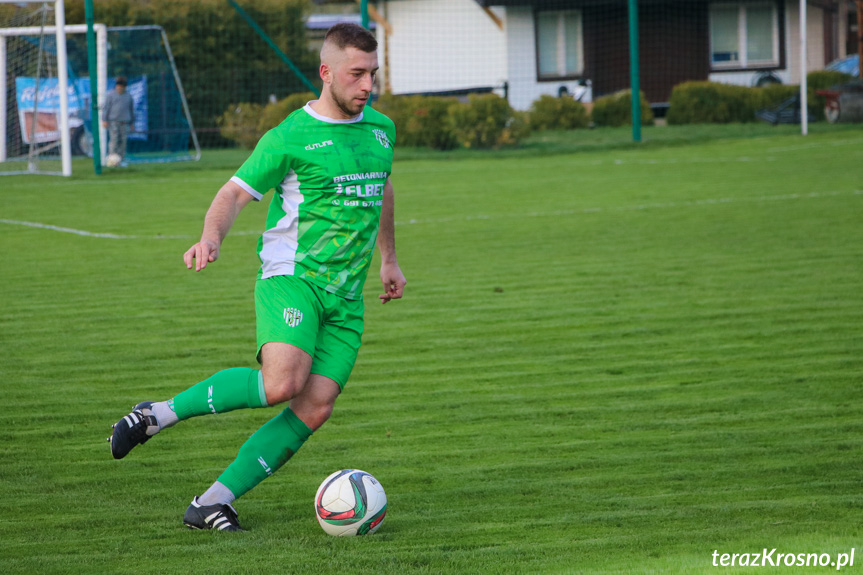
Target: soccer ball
113, 160
350, 502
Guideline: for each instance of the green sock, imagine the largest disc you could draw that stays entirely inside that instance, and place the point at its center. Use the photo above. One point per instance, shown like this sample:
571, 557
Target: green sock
226, 390
265, 451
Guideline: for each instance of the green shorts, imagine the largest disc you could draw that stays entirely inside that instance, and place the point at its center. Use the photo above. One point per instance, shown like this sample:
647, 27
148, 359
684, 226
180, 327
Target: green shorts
326, 326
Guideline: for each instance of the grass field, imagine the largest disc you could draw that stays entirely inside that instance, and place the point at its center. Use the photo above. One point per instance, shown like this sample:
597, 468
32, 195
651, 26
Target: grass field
611, 361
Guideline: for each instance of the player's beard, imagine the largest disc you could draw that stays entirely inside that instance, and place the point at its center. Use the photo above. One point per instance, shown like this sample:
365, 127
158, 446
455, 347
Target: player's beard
346, 105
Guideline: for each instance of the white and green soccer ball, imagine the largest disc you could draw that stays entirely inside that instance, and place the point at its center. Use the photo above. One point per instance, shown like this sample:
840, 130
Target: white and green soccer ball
350, 502
113, 160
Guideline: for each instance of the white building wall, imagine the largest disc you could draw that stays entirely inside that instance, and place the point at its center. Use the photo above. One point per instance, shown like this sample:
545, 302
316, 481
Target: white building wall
521, 54
439, 45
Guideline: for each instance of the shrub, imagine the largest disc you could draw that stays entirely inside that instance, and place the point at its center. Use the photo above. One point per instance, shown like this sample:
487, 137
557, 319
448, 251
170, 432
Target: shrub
486, 121
440, 123
616, 110
274, 114
239, 123
823, 79
712, 102
395, 108
245, 123
550, 113
715, 103
419, 120
517, 129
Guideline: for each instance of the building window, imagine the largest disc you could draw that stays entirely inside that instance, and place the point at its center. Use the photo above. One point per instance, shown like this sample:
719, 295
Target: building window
744, 36
559, 44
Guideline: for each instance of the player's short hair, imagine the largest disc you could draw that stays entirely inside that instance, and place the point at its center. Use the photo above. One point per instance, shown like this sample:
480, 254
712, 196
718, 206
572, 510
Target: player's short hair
121, 81
347, 35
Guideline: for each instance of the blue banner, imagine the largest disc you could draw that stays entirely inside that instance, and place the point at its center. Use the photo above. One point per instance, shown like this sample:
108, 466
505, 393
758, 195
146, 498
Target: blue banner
48, 106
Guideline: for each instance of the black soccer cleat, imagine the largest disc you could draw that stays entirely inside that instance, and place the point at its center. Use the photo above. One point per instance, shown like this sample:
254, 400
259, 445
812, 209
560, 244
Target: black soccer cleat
221, 516
134, 429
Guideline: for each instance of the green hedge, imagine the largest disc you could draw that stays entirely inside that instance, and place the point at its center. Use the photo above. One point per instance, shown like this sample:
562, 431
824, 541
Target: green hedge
484, 121
712, 103
824, 79
421, 121
715, 103
616, 110
239, 123
487, 121
273, 114
552, 113
245, 123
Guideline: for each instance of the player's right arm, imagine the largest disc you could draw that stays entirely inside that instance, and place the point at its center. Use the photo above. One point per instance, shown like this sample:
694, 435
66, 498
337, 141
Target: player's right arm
220, 217
262, 171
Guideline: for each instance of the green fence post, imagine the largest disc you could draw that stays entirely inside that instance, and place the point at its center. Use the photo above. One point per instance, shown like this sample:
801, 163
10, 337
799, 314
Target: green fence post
633, 71
94, 87
364, 13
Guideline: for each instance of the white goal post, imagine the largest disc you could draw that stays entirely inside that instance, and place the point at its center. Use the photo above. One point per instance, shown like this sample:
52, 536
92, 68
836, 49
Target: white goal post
59, 30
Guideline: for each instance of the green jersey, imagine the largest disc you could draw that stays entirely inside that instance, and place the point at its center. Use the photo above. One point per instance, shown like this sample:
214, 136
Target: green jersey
329, 178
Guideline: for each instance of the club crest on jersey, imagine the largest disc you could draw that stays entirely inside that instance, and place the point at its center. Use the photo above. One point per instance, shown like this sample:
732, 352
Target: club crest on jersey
383, 140
293, 316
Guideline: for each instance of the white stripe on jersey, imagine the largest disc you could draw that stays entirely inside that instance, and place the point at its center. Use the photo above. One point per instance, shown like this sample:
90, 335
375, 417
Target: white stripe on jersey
252, 191
279, 249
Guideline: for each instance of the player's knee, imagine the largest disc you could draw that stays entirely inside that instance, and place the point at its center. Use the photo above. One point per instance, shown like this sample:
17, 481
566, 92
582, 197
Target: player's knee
281, 389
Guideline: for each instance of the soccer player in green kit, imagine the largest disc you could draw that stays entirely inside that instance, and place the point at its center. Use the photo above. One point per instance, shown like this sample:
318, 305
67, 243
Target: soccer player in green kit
329, 164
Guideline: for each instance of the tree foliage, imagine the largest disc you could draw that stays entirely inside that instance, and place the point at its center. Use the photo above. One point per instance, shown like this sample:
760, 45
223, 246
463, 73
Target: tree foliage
220, 58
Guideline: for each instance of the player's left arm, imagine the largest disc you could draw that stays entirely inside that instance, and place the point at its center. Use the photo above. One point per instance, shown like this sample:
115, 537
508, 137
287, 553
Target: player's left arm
391, 274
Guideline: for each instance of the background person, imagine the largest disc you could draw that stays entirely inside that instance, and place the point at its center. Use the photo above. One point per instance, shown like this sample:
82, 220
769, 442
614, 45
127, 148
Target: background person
118, 115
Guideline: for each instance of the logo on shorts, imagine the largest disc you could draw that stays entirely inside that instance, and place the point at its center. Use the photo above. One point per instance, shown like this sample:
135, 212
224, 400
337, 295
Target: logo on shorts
383, 140
293, 316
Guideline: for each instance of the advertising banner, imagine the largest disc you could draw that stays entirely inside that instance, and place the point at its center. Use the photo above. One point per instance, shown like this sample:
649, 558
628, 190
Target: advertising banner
43, 112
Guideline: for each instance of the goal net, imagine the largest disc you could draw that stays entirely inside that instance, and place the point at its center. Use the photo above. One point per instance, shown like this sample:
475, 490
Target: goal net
162, 130
34, 89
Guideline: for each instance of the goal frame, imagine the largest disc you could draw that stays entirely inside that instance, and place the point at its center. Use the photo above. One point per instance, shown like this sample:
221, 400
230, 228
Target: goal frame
101, 31
59, 31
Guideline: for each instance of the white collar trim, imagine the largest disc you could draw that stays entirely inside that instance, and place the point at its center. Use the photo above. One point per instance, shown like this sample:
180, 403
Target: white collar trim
313, 114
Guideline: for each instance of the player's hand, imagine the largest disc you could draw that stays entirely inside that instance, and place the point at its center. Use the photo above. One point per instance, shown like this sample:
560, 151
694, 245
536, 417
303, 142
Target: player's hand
202, 253
394, 282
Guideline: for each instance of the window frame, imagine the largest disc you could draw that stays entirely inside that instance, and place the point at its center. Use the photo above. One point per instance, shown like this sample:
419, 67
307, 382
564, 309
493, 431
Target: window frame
743, 63
561, 45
